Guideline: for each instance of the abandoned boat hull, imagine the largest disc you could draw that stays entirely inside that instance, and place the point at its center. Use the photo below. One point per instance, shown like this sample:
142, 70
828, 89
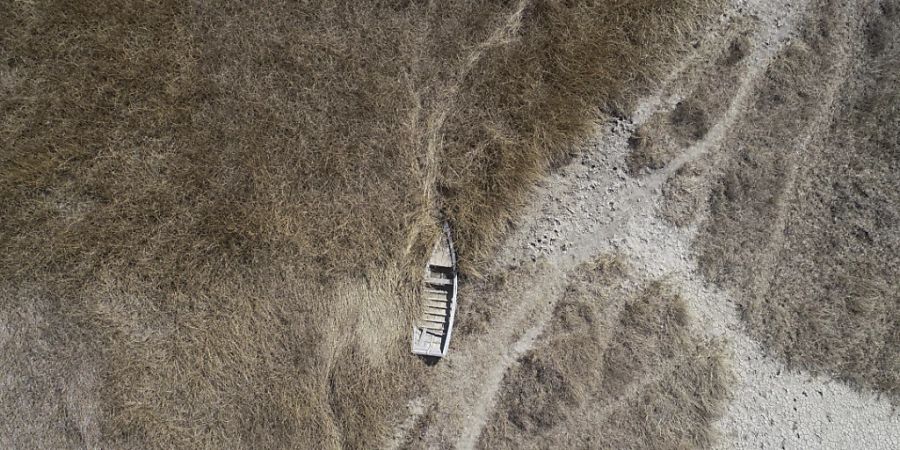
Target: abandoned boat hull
432, 332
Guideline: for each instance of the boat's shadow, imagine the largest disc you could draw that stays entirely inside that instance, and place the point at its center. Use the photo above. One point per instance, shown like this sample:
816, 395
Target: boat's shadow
430, 360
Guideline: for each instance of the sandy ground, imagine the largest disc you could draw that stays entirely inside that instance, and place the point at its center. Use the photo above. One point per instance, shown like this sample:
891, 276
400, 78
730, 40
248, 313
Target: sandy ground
592, 207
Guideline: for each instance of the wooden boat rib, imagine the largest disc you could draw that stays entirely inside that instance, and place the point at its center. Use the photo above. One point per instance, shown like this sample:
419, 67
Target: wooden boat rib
431, 333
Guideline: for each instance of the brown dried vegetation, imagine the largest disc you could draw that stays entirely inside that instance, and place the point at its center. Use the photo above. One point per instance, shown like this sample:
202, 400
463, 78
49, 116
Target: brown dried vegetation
211, 213
804, 215
613, 370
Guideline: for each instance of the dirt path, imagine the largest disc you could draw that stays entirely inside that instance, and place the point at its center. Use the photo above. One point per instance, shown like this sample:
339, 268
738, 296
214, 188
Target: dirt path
591, 207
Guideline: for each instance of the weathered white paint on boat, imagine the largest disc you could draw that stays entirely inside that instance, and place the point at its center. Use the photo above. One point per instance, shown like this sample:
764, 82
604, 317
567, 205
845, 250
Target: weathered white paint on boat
431, 333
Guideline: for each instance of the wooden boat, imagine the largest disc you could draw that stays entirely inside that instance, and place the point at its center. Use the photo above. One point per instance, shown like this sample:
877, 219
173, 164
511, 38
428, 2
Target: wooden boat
431, 333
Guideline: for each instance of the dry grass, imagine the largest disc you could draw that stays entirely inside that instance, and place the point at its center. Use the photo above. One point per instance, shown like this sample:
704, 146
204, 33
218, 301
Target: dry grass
685, 194
667, 133
809, 234
211, 214
613, 370
523, 104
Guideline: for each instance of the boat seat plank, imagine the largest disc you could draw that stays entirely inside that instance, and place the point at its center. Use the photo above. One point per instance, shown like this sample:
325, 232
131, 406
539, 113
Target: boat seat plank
439, 258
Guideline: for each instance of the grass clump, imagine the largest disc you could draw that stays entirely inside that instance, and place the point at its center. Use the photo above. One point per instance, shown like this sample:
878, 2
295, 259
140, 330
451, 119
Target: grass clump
614, 370
710, 85
222, 209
